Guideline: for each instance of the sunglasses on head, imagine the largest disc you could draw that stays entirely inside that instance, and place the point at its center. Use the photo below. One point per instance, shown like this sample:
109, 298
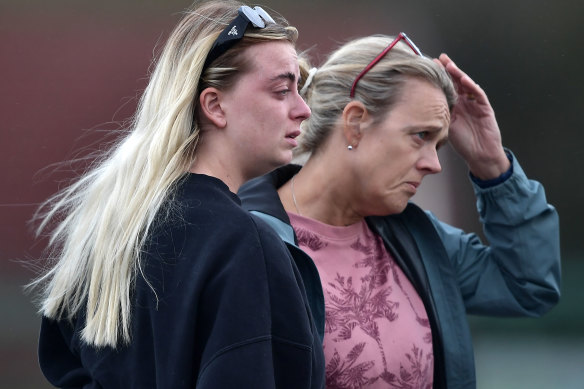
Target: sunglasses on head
383, 54
236, 29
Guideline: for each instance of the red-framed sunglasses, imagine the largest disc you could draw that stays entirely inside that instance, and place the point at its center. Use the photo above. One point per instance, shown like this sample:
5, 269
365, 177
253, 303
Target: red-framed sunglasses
382, 54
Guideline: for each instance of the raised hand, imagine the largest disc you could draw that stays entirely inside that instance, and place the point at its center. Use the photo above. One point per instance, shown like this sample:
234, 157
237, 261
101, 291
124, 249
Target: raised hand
474, 132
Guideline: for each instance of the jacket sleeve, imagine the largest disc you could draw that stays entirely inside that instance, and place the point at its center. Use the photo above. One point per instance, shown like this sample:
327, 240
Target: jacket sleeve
518, 274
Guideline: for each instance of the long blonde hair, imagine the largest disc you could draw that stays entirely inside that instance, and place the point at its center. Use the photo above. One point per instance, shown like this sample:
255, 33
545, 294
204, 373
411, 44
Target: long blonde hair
328, 92
99, 224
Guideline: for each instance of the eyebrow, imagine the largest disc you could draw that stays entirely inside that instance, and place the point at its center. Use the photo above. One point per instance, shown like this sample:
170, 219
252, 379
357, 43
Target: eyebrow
284, 76
429, 128
432, 130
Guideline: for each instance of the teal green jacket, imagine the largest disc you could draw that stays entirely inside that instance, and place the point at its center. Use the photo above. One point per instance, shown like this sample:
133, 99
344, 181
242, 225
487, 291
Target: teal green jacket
517, 274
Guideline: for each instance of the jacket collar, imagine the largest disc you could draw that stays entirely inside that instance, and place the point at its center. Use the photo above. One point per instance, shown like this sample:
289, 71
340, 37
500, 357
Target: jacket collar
261, 193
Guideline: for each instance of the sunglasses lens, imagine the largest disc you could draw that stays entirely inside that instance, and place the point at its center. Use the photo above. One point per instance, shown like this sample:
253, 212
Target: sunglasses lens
235, 30
264, 15
253, 16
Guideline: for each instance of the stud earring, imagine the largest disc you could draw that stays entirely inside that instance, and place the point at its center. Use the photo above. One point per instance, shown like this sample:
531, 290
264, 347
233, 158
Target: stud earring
349, 147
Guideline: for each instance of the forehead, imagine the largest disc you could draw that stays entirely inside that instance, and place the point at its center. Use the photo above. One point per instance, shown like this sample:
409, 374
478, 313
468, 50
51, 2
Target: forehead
270, 59
421, 101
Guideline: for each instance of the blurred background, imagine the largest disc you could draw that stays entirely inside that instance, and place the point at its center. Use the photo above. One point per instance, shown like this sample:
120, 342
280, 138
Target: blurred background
71, 73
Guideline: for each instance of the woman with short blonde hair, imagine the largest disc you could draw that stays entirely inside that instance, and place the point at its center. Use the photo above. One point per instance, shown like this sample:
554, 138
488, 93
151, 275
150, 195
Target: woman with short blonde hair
397, 281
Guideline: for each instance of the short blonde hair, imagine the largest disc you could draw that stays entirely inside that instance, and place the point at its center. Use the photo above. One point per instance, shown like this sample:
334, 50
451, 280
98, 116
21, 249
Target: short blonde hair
329, 90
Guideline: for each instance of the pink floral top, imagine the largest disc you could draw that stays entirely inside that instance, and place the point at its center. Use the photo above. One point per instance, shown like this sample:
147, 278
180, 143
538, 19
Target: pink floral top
377, 333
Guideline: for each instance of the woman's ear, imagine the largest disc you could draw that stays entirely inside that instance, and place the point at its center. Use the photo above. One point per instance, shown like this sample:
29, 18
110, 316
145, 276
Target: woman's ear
210, 106
355, 118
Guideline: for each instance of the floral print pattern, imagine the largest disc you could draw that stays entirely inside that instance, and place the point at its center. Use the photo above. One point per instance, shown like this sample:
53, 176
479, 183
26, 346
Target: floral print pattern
363, 306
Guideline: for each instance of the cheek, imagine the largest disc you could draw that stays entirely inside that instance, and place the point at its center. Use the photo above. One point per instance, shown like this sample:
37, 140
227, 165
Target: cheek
382, 166
385, 176
381, 197
374, 182
384, 179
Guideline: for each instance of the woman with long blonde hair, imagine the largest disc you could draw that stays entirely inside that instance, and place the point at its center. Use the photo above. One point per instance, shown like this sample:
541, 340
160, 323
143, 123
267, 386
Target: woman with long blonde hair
158, 277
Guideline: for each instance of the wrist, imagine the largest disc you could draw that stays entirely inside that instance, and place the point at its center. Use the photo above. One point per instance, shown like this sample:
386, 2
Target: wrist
491, 169
496, 175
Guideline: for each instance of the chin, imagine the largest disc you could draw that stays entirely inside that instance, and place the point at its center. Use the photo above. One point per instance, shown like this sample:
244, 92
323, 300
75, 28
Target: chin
401, 209
284, 159
393, 209
265, 167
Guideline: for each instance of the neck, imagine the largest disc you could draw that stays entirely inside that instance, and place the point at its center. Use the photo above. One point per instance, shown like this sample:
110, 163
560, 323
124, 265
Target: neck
217, 165
232, 183
294, 195
319, 195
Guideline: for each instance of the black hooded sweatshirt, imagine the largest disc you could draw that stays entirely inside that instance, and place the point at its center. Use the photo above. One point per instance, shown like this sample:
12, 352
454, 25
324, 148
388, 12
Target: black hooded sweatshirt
218, 303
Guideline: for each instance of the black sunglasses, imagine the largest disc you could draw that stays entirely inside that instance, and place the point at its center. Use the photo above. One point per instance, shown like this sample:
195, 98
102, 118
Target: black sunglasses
236, 29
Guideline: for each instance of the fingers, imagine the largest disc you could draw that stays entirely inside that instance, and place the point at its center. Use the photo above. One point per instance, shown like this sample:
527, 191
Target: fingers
444, 59
437, 61
464, 84
451, 68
